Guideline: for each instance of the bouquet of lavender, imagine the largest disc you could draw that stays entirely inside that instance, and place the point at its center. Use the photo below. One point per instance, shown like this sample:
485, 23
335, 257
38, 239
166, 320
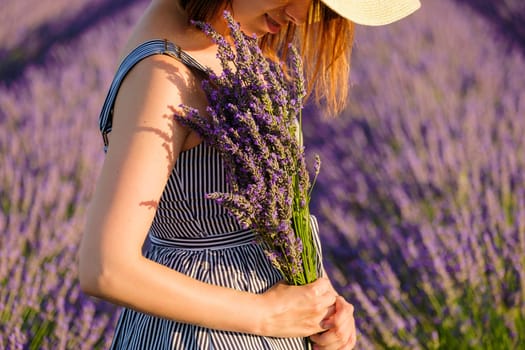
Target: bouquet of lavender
255, 124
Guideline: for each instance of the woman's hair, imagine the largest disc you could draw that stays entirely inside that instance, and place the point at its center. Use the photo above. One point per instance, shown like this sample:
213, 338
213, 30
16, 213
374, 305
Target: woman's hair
325, 43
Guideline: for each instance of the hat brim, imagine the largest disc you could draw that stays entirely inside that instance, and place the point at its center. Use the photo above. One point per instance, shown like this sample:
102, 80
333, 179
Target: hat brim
373, 12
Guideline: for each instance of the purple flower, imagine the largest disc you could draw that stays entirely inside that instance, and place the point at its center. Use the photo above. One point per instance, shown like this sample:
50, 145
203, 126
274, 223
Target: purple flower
254, 119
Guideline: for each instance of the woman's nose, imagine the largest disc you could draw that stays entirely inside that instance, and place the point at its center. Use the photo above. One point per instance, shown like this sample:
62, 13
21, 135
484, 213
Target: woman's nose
297, 10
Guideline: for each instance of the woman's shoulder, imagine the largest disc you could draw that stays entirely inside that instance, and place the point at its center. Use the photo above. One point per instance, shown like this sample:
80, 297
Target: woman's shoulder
153, 90
153, 49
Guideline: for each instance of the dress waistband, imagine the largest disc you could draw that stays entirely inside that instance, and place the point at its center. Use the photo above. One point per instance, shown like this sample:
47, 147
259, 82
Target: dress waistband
228, 240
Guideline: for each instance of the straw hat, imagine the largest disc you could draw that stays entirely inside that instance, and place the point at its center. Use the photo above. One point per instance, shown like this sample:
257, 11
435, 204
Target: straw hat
373, 12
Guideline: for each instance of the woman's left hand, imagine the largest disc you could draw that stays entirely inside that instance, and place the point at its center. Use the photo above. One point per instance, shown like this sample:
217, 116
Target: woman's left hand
341, 334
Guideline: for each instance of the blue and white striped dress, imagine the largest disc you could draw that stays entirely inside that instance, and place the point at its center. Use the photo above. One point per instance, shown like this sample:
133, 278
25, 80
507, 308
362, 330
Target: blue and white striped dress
194, 236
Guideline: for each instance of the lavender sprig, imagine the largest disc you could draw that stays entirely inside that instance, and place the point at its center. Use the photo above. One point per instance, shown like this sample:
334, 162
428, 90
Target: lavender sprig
254, 123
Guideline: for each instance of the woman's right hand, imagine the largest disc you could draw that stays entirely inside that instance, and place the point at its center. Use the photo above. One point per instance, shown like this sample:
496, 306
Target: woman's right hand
297, 311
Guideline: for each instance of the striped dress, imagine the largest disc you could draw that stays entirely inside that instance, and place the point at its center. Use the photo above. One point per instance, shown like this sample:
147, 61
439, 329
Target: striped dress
194, 236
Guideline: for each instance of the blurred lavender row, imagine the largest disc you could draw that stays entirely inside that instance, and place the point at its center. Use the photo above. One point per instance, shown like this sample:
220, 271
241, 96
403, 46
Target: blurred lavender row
51, 153
422, 188
20, 18
420, 197
506, 16
29, 30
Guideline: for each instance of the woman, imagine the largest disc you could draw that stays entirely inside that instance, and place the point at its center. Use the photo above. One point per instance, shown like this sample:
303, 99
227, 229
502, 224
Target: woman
203, 283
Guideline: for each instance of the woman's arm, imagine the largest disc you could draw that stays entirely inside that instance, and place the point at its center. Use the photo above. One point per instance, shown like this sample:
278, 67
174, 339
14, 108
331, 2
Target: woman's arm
145, 143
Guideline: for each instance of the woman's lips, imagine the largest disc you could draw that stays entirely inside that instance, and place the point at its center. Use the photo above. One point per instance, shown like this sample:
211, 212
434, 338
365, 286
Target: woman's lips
273, 26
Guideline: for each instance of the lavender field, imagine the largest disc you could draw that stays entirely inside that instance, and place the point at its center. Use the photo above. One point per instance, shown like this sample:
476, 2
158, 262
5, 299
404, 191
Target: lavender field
420, 200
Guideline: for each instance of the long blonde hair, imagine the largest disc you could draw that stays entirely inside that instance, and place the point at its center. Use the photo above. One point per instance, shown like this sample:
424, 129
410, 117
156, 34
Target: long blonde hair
325, 42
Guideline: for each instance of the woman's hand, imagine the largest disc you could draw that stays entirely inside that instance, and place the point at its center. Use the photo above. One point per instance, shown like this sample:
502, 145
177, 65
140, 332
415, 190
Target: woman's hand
297, 311
341, 333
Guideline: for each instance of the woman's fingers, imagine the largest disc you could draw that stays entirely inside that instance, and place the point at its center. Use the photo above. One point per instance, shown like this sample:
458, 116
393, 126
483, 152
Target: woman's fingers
343, 313
341, 334
298, 311
322, 301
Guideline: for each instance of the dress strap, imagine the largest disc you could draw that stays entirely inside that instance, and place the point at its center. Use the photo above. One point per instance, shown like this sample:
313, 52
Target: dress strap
146, 49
